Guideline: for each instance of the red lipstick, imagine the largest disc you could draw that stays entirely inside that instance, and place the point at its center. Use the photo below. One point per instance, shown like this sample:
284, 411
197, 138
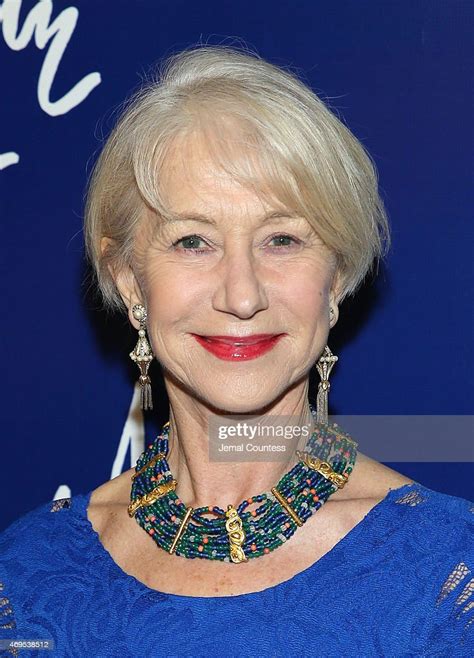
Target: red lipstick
235, 348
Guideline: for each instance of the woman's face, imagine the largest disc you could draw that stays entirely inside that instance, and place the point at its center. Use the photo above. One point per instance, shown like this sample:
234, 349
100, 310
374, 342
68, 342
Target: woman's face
236, 276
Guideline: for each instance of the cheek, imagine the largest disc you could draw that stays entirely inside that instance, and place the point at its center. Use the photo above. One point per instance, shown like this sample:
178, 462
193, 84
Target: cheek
171, 293
307, 289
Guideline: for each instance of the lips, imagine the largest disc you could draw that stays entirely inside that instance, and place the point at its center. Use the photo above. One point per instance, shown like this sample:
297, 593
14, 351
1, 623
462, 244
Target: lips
235, 348
240, 340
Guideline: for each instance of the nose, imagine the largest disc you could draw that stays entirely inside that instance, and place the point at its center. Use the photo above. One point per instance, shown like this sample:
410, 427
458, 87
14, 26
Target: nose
240, 289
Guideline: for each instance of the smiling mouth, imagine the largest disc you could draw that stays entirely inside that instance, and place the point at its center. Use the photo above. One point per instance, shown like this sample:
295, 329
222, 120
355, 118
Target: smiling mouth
240, 342
229, 348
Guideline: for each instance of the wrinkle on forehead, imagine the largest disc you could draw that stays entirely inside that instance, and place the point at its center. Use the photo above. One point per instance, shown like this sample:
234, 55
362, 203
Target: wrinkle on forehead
227, 159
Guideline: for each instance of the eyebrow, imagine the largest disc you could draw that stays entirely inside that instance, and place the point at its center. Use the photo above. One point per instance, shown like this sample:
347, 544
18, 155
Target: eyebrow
204, 219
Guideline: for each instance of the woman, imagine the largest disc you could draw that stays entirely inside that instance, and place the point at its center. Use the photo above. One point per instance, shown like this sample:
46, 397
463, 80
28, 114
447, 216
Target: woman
229, 214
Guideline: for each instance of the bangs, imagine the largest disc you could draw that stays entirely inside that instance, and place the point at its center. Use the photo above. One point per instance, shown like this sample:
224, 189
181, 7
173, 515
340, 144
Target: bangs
235, 147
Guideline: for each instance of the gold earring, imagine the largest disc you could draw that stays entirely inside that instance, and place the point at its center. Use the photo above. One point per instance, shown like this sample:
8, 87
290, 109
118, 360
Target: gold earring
142, 355
324, 366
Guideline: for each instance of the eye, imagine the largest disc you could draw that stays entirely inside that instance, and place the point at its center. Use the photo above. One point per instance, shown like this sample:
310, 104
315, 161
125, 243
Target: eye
192, 240
282, 240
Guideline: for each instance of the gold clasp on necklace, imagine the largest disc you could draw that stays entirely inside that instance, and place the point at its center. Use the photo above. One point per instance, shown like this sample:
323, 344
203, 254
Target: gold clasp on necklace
152, 461
322, 467
286, 506
181, 529
152, 496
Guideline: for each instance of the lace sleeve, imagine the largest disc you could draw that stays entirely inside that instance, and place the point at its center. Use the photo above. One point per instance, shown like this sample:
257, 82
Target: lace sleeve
454, 605
7, 619
10, 604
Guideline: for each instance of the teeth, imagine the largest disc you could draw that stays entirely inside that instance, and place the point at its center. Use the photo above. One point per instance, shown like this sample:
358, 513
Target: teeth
240, 344
232, 343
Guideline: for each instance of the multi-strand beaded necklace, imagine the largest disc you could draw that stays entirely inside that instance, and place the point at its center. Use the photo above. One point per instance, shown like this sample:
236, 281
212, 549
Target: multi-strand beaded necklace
236, 534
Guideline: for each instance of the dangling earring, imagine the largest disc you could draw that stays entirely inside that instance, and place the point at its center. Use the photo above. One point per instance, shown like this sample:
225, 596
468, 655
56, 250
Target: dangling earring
324, 366
142, 355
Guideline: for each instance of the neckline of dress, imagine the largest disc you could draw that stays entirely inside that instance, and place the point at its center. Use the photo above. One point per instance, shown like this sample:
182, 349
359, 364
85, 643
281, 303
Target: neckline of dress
80, 504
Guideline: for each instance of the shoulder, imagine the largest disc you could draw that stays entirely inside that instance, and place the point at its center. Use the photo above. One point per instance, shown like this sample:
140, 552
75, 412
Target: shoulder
41, 518
450, 518
419, 550
48, 560
429, 525
369, 483
429, 535
438, 544
113, 492
26, 546
27, 537
107, 504
35, 545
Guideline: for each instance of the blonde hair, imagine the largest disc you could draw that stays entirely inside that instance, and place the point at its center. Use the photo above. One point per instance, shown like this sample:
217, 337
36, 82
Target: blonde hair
296, 148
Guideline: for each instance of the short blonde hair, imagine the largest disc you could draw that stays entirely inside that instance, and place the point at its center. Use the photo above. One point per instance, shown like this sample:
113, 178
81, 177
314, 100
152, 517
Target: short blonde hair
296, 148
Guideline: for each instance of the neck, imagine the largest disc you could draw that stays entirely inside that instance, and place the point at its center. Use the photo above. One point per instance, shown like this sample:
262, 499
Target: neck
202, 479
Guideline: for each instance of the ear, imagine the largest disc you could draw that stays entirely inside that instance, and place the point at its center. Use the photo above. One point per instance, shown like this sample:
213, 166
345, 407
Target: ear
334, 297
126, 282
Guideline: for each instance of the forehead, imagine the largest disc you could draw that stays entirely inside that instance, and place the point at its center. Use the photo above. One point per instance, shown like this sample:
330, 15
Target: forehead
208, 176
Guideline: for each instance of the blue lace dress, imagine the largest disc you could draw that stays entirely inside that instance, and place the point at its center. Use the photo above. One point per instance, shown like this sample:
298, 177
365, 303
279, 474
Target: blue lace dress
399, 584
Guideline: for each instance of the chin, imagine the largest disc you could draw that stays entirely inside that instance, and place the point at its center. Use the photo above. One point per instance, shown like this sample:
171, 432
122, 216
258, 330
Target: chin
238, 392
248, 406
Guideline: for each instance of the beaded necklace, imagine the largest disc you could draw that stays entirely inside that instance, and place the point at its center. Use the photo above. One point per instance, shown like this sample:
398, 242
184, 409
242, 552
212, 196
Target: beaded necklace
236, 534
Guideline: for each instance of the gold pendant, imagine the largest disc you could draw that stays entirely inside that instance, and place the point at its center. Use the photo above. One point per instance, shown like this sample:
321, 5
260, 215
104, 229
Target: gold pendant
233, 525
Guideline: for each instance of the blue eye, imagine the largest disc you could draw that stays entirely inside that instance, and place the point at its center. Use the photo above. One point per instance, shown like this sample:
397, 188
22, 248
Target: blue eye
285, 237
190, 238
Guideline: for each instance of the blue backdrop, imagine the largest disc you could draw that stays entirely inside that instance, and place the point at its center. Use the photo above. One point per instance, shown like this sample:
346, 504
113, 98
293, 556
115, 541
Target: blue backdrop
398, 73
